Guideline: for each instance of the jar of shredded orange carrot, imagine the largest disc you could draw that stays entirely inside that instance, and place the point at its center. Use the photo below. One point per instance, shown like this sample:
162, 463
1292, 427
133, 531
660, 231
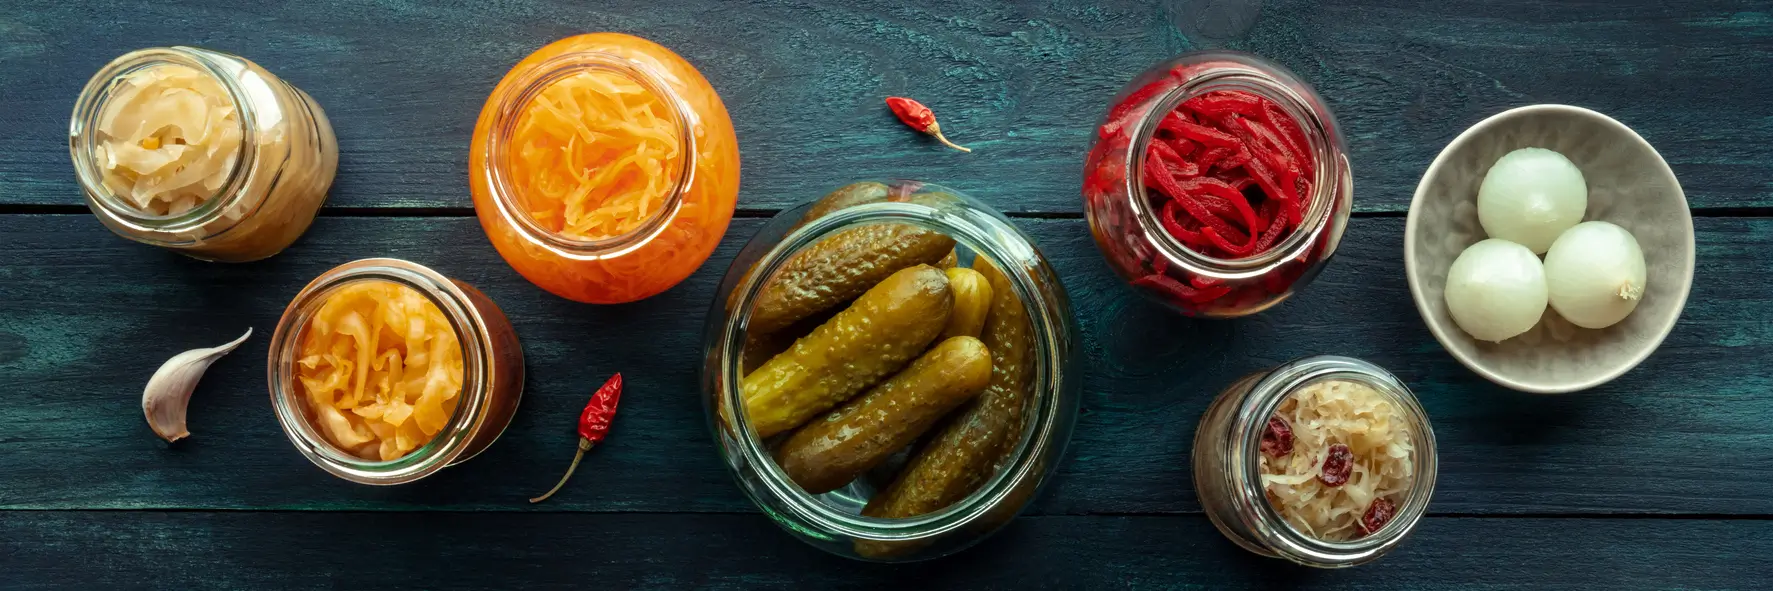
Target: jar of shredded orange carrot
604, 168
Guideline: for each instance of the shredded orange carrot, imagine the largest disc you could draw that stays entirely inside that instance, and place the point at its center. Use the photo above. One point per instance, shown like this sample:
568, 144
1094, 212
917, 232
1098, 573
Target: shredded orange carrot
382, 369
595, 155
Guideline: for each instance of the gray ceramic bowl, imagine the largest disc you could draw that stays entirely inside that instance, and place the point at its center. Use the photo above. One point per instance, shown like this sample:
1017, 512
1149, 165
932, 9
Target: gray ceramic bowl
1628, 184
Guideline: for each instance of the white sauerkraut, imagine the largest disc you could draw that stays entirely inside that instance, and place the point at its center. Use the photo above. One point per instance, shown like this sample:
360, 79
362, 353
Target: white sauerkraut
168, 139
1375, 430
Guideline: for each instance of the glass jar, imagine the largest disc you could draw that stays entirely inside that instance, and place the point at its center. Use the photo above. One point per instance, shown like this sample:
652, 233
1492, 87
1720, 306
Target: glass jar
833, 521
278, 179
669, 244
1124, 219
492, 381
1227, 463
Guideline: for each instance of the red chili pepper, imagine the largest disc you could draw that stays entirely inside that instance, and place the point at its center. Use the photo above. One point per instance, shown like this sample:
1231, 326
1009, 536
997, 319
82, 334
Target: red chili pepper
920, 118
593, 426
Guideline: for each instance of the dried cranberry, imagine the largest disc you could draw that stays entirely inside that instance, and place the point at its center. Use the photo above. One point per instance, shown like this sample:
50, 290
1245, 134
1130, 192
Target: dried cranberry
1277, 439
1337, 466
1378, 514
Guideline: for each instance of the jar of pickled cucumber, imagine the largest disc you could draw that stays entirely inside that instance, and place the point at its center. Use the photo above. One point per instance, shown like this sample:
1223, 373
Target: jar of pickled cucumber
889, 370
604, 168
444, 375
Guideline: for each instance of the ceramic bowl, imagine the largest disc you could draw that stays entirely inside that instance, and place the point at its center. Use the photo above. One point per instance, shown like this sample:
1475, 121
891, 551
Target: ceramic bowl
1628, 184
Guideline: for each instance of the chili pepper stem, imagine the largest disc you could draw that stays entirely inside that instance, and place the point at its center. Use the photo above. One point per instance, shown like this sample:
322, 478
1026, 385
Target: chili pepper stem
936, 130
584, 446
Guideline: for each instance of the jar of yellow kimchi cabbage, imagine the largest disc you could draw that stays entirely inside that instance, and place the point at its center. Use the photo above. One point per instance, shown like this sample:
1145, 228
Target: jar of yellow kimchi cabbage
604, 168
201, 152
1324, 461
383, 371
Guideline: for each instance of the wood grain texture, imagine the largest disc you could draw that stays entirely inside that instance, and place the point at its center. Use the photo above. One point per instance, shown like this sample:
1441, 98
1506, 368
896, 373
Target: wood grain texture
260, 550
88, 317
1024, 83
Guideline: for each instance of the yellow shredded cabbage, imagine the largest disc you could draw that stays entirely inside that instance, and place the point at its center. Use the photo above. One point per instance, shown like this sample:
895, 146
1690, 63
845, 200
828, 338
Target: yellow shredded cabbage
1325, 413
382, 369
168, 138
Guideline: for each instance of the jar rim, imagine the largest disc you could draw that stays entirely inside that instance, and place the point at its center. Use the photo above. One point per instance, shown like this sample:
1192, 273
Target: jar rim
96, 95
506, 106
1247, 73
984, 233
445, 448
1244, 452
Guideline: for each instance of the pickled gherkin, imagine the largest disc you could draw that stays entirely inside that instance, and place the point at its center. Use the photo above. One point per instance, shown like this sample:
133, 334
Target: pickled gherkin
828, 453
964, 454
972, 302
879, 333
840, 267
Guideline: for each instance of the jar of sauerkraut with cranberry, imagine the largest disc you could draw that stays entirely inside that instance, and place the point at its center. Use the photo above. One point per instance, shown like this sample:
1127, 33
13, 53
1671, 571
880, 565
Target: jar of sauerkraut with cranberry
1324, 461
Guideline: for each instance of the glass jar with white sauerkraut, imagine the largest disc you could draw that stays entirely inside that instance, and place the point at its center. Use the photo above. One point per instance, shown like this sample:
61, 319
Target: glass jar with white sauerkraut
201, 152
1324, 461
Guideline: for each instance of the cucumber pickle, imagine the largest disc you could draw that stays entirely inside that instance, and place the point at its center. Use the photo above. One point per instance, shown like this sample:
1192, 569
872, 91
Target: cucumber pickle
829, 453
882, 330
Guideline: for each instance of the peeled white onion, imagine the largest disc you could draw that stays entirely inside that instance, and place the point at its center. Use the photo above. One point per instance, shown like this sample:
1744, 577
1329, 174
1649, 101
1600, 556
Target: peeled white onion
1496, 290
1530, 197
1595, 274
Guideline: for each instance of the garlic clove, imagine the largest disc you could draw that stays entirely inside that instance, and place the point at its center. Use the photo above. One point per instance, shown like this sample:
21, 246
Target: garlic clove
169, 391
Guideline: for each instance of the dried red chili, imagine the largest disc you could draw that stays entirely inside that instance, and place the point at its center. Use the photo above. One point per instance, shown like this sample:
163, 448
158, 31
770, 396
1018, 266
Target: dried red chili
1337, 466
1277, 438
920, 118
593, 426
1378, 514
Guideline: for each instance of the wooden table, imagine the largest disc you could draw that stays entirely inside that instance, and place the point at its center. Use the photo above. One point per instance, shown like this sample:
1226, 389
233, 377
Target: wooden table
1657, 480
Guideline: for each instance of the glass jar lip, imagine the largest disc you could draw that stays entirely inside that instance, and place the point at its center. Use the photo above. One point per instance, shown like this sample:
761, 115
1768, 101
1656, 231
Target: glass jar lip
443, 449
999, 242
97, 94
506, 107
1247, 73
1264, 397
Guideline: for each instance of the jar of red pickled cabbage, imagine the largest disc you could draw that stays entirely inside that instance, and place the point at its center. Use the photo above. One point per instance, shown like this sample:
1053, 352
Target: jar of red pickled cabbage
1218, 184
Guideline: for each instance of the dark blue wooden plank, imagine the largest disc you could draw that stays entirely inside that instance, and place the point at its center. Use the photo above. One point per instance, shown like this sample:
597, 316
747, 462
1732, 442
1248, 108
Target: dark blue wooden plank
85, 318
1023, 83
260, 550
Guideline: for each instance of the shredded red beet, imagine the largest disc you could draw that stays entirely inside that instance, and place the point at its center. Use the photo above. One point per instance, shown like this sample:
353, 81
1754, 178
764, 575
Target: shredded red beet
1228, 174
